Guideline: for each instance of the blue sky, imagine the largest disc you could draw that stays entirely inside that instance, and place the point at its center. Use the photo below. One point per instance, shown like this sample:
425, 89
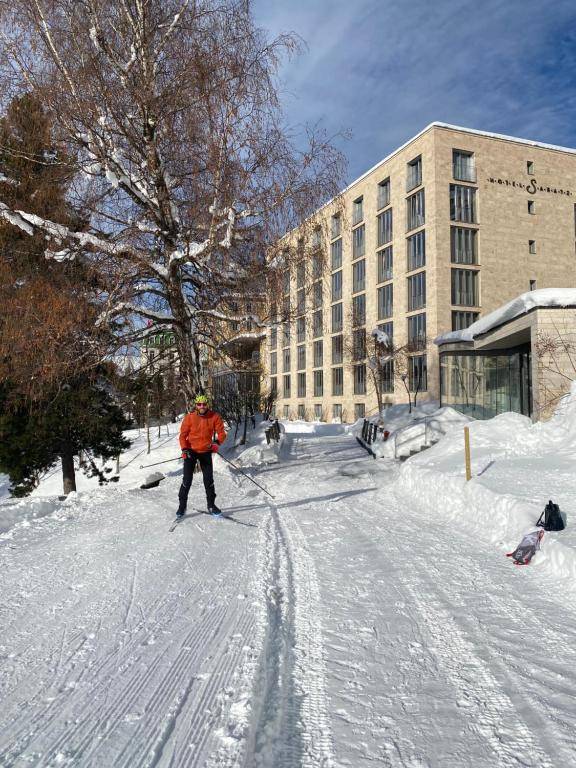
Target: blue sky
384, 69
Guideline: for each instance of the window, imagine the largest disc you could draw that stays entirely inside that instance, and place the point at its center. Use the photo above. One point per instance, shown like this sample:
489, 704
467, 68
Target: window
384, 193
417, 291
360, 379
318, 411
317, 328
318, 383
414, 178
359, 344
317, 295
337, 412
337, 381
385, 227
385, 264
337, 286
417, 331
357, 211
318, 354
359, 276
301, 385
385, 301
359, 411
337, 349
358, 242
463, 166
462, 203
335, 226
316, 238
337, 318
336, 254
359, 310
274, 337
464, 287
285, 334
388, 329
274, 386
462, 320
286, 281
417, 374
531, 206
301, 357
273, 363
463, 245
301, 329
300, 301
301, 410
286, 360
532, 246
416, 251
415, 210
286, 411
387, 376
317, 265
300, 275
287, 386
530, 167
286, 309
532, 285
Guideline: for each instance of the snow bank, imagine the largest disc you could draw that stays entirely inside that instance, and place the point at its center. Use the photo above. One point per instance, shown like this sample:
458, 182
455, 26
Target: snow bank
516, 467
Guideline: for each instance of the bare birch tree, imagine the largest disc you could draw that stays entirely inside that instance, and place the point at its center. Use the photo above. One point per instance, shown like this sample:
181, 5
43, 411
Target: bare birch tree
184, 173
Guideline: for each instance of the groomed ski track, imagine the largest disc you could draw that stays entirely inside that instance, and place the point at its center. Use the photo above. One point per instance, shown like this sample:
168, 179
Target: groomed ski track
334, 626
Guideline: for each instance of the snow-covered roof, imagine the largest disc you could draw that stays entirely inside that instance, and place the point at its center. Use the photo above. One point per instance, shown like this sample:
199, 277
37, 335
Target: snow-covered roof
544, 297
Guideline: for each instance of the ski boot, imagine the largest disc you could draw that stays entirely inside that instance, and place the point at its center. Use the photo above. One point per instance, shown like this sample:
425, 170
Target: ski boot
215, 511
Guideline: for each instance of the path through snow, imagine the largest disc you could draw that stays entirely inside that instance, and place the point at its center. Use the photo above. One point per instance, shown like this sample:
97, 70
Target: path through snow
331, 627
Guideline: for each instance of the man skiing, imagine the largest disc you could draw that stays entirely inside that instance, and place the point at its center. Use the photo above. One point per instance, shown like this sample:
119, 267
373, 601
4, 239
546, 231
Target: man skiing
198, 444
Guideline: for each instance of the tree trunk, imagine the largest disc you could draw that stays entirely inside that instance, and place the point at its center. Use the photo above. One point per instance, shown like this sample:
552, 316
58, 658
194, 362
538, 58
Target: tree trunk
243, 441
68, 473
148, 427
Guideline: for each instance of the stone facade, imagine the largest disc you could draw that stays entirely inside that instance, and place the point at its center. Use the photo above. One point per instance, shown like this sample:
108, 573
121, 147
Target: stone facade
498, 219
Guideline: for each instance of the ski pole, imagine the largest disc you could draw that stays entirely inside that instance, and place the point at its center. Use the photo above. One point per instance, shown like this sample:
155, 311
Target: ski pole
143, 466
245, 475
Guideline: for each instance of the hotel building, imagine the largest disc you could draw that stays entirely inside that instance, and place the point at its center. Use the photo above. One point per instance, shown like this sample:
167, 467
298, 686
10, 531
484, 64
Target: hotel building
448, 227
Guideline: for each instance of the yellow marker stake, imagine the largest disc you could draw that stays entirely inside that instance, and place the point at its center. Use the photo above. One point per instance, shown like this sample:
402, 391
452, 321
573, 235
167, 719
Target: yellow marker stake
467, 452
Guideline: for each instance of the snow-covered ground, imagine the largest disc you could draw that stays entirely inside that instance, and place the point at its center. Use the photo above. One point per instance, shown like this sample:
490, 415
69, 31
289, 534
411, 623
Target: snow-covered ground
364, 616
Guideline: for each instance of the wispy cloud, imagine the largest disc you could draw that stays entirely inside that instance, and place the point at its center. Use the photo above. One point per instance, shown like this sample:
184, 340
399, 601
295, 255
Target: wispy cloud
386, 69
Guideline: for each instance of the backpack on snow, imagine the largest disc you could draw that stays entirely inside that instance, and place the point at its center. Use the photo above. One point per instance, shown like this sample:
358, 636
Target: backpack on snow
527, 548
551, 519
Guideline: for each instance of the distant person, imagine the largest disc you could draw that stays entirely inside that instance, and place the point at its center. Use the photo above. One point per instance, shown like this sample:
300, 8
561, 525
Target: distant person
201, 434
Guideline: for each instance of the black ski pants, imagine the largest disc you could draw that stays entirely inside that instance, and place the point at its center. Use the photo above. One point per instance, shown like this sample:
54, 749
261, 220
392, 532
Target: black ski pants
205, 460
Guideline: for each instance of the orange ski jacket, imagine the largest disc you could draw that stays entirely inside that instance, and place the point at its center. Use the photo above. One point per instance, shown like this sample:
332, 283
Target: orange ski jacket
197, 431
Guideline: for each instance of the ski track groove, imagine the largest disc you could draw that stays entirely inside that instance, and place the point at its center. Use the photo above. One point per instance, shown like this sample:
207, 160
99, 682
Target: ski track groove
295, 689
171, 695
117, 665
123, 700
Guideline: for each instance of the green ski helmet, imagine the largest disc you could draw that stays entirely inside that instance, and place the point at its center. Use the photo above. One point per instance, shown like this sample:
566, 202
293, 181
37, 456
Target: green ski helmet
201, 399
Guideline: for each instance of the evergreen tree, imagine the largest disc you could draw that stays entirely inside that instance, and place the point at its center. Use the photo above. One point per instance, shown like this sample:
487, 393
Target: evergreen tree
50, 349
82, 416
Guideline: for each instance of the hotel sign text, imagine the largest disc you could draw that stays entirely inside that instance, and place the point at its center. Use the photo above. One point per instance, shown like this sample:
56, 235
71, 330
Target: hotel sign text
531, 188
